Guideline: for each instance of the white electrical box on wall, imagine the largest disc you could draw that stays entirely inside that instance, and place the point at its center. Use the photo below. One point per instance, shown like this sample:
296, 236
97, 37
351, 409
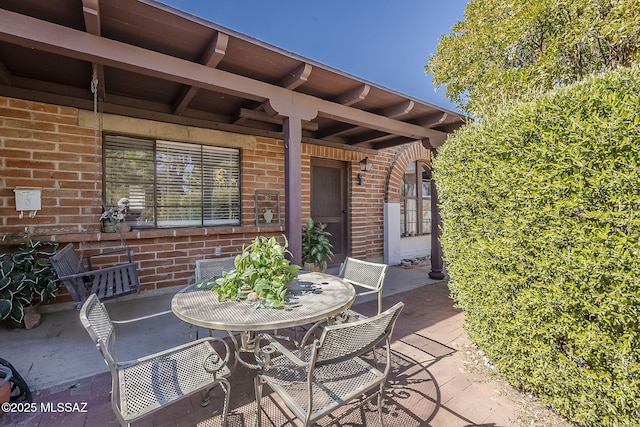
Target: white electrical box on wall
28, 199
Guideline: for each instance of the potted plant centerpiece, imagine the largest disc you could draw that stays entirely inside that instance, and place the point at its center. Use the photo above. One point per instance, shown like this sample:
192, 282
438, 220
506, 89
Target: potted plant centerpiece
26, 280
260, 275
316, 248
115, 219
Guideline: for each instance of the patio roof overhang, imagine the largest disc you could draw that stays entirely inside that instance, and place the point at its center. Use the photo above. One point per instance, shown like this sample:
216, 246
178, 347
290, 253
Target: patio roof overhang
155, 62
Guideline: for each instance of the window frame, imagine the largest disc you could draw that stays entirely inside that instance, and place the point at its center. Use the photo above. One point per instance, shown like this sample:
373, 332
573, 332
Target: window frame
205, 159
418, 201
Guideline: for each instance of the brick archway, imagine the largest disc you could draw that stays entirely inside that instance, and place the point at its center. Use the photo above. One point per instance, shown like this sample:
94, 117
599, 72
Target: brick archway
405, 156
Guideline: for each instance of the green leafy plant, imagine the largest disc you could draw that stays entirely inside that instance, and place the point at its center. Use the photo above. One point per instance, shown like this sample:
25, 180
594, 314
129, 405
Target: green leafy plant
504, 51
117, 214
316, 248
260, 275
26, 278
541, 233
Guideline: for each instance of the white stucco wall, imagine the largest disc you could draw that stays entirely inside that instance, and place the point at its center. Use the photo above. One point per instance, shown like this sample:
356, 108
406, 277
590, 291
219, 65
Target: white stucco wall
392, 233
397, 248
415, 246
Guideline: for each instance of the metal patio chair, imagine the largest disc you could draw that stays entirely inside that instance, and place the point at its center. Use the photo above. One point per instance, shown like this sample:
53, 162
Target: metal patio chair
109, 282
368, 279
142, 386
315, 380
210, 268
368, 276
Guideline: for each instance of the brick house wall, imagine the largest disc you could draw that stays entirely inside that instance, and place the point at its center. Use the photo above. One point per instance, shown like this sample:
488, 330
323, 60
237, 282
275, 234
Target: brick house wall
59, 149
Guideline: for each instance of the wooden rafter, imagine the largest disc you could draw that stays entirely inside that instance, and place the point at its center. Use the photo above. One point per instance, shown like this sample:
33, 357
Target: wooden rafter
91, 13
354, 95
370, 138
292, 80
433, 120
399, 110
390, 142
297, 77
268, 118
5, 75
211, 58
336, 130
49, 37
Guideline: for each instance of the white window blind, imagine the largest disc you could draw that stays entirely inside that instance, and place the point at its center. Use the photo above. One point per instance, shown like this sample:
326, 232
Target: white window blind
172, 184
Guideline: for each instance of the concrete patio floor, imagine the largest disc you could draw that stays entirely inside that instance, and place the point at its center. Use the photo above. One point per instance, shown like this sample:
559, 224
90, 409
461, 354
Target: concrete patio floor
430, 383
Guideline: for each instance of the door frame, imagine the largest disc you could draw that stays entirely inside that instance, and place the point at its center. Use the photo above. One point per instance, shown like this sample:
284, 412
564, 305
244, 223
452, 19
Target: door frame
343, 166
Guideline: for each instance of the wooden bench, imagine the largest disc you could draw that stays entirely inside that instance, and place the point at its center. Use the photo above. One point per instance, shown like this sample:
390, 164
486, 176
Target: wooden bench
106, 283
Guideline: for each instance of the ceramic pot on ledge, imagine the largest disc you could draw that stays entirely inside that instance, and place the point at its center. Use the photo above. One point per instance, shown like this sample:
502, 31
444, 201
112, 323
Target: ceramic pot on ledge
123, 227
108, 227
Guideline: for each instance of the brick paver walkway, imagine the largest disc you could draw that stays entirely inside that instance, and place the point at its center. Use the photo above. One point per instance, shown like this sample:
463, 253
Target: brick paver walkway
428, 386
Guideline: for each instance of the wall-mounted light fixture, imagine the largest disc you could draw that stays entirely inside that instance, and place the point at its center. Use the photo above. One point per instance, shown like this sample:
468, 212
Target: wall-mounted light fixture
365, 166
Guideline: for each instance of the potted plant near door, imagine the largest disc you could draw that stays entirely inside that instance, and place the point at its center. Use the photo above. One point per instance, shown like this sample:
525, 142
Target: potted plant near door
26, 280
316, 247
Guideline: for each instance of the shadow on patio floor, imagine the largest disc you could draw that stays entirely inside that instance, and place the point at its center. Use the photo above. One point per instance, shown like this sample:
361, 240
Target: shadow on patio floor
428, 384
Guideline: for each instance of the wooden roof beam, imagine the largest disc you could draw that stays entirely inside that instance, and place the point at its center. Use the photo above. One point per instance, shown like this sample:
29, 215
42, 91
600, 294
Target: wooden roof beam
399, 110
370, 138
91, 14
211, 58
247, 114
292, 80
391, 142
433, 120
354, 95
297, 77
339, 144
336, 130
5, 75
49, 37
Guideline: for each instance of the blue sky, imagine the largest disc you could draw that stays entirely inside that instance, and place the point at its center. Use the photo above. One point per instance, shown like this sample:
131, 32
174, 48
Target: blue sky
387, 42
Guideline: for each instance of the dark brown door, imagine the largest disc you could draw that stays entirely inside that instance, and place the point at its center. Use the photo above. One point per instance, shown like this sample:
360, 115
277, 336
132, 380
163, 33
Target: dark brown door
329, 203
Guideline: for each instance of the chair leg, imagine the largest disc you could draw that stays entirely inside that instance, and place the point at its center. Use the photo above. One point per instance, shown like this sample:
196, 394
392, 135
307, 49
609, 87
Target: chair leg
192, 333
206, 396
258, 387
226, 387
380, 421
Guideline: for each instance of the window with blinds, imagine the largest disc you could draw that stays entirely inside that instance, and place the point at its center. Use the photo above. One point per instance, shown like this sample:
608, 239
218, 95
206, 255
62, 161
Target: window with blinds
172, 184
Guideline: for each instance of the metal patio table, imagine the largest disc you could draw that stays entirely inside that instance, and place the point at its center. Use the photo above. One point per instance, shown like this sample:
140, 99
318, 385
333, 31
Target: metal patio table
311, 297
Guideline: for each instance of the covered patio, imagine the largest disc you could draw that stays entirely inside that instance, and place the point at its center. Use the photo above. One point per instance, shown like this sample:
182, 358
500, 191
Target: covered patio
436, 377
75, 73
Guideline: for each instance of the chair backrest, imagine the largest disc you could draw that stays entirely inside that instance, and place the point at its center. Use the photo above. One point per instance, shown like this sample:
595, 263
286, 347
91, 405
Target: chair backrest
368, 275
210, 268
67, 262
347, 340
96, 321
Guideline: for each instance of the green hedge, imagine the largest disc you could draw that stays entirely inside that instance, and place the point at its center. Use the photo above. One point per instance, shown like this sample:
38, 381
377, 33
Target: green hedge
541, 234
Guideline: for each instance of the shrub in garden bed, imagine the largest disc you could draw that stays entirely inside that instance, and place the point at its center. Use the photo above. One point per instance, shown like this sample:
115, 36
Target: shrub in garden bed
541, 233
